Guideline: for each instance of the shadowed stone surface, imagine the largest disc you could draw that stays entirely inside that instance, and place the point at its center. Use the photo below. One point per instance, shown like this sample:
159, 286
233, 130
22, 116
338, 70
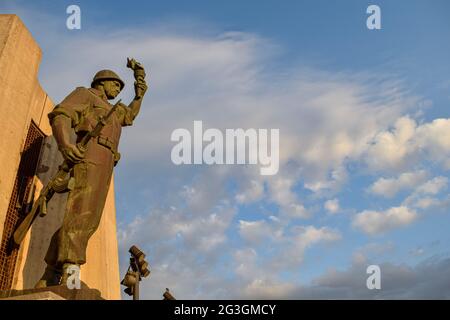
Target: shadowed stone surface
60, 292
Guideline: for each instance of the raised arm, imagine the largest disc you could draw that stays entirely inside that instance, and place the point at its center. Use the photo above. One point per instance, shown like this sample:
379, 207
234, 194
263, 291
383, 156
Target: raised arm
140, 87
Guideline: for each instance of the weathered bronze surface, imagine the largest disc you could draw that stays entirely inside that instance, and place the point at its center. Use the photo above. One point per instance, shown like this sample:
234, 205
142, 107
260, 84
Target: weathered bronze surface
60, 183
91, 167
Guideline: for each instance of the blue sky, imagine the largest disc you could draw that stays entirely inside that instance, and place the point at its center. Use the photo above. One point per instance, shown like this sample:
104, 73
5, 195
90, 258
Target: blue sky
364, 130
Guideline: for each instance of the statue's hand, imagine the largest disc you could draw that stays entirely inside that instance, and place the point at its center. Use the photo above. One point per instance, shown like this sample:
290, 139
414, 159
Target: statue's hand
72, 153
140, 87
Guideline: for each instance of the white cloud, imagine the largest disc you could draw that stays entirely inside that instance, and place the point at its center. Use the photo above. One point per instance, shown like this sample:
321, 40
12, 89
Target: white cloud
435, 138
422, 203
393, 149
301, 239
286, 252
281, 193
332, 206
254, 232
409, 143
310, 235
433, 186
246, 263
332, 183
376, 222
424, 196
390, 187
266, 289
252, 193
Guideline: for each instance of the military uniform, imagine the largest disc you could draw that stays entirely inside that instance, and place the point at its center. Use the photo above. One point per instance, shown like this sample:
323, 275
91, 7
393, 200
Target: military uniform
91, 176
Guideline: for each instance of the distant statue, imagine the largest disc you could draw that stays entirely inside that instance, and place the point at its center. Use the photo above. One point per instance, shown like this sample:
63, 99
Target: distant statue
87, 168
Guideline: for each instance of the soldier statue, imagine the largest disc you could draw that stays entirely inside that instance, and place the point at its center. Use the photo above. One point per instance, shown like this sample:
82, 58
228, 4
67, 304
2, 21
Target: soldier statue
91, 167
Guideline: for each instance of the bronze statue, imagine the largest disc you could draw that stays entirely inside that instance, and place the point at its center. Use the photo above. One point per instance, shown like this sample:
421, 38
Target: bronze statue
89, 164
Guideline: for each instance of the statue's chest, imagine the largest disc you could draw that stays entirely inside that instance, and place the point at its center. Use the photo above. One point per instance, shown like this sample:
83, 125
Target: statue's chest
92, 115
113, 127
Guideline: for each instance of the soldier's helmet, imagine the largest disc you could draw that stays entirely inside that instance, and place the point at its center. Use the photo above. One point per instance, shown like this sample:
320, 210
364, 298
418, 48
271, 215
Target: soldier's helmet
107, 75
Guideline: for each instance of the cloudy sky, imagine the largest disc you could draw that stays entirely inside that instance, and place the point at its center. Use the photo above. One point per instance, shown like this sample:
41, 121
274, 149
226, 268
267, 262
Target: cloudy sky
364, 120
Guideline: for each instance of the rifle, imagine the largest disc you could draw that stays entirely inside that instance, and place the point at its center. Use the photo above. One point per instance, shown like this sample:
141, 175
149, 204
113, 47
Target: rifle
59, 183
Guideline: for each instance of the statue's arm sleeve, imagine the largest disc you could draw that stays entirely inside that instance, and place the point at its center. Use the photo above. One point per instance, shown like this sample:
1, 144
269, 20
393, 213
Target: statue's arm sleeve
125, 115
73, 106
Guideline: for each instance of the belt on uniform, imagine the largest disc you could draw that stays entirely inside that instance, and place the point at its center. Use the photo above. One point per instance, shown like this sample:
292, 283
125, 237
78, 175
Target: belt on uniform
110, 145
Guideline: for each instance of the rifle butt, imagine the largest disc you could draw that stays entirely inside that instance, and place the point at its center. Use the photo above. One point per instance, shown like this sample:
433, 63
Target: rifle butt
22, 229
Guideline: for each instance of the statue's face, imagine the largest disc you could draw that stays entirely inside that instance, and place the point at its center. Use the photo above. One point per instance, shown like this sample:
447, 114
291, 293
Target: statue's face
112, 88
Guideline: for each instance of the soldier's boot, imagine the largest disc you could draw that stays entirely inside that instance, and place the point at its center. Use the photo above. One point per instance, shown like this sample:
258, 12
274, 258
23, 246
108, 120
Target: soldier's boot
70, 270
51, 277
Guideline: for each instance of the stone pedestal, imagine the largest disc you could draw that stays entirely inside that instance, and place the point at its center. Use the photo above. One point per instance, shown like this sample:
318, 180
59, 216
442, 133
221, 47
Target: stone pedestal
60, 292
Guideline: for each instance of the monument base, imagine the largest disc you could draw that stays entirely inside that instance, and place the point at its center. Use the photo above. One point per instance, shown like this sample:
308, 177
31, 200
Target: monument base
60, 292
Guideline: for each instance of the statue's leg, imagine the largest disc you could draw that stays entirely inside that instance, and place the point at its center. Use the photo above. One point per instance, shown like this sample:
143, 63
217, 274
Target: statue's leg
84, 207
53, 270
51, 277
52, 273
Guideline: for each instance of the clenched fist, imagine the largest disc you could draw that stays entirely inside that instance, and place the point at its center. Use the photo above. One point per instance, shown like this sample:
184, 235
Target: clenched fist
140, 87
72, 153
